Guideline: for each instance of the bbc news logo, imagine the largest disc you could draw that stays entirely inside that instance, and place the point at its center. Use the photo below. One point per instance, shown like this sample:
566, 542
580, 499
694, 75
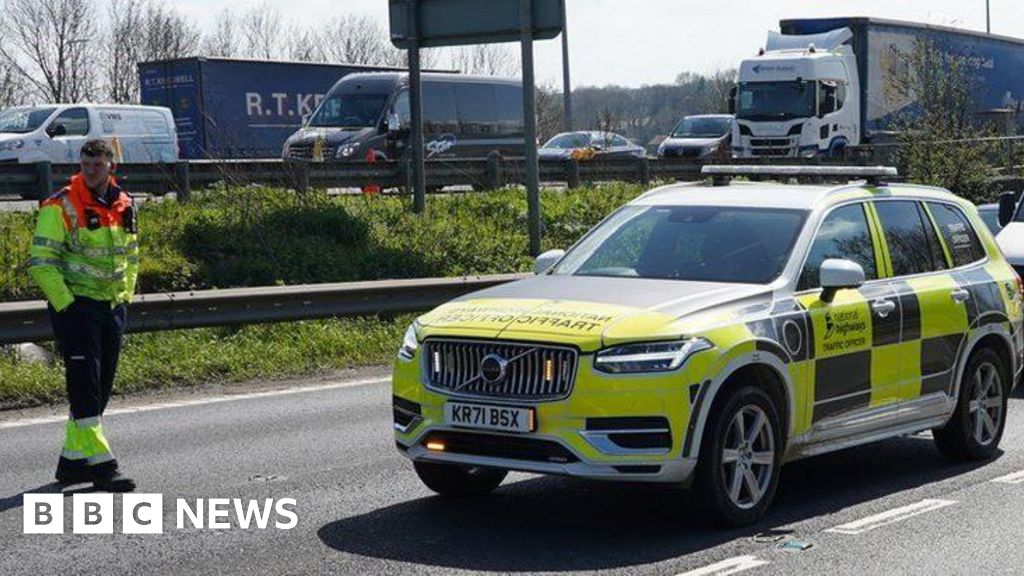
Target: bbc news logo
144, 514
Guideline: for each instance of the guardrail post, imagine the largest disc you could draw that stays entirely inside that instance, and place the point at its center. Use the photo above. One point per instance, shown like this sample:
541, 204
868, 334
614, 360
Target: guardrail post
44, 180
301, 177
182, 182
572, 173
492, 172
645, 171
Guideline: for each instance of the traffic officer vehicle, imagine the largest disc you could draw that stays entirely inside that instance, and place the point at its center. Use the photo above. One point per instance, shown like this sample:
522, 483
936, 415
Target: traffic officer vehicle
707, 334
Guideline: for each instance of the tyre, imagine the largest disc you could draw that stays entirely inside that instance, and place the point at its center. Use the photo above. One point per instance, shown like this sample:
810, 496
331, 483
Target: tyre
457, 481
976, 427
740, 458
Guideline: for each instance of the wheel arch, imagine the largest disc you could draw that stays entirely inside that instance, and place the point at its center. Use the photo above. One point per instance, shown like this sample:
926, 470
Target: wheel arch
761, 368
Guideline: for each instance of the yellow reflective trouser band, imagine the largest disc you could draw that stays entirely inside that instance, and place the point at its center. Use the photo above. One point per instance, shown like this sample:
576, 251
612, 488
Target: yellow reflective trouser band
91, 442
71, 450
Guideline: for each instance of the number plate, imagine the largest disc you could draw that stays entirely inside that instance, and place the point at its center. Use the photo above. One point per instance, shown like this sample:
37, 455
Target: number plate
488, 417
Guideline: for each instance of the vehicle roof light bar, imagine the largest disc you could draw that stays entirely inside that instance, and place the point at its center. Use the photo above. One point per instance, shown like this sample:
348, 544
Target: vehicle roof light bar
875, 175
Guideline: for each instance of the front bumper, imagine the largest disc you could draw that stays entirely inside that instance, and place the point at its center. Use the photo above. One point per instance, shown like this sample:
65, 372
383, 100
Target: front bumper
602, 430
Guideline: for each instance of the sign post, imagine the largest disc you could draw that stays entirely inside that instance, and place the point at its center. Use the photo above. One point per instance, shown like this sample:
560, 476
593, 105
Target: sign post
419, 177
417, 24
530, 125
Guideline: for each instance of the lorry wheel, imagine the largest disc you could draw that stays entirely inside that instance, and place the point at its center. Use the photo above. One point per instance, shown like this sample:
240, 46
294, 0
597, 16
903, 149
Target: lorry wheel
740, 457
974, 431
457, 481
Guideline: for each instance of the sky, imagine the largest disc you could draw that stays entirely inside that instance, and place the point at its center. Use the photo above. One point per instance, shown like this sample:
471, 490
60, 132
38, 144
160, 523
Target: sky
638, 42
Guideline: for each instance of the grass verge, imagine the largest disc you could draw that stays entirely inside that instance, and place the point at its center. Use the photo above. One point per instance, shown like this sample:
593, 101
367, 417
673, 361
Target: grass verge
186, 358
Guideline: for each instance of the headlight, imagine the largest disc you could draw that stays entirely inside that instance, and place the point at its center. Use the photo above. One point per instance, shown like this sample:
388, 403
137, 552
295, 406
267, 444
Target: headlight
346, 150
409, 344
11, 145
708, 149
649, 356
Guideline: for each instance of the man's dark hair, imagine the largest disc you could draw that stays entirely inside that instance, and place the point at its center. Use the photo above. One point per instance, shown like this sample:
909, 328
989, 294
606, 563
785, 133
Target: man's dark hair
97, 148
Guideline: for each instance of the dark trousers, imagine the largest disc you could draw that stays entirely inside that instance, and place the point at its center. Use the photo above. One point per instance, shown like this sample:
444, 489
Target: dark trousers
89, 334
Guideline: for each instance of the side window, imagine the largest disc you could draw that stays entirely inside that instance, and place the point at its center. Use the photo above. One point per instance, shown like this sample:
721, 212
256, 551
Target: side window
74, 120
913, 247
439, 115
843, 234
401, 107
619, 141
477, 109
509, 100
962, 241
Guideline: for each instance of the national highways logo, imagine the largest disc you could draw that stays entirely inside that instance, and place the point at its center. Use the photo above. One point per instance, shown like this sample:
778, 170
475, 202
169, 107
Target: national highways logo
144, 514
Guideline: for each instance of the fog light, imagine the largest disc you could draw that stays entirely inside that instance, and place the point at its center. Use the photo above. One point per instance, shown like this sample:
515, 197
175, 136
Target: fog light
435, 446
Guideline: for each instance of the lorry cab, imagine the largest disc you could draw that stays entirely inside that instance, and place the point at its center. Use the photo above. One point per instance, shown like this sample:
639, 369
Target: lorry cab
55, 132
798, 98
368, 115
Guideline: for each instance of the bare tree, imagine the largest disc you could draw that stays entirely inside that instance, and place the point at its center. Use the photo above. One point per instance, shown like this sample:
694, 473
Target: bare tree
125, 19
302, 43
354, 39
144, 32
485, 59
48, 46
223, 40
167, 34
9, 93
549, 111
937, 130
262, 28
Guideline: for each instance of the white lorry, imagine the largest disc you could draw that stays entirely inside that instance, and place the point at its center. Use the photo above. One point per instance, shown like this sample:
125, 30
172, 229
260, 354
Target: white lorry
822, 85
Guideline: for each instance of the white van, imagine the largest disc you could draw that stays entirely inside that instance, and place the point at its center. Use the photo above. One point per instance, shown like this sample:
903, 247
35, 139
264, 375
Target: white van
56, 132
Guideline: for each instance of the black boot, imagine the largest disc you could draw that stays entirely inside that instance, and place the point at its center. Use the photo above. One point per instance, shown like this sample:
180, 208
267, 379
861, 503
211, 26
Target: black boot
107, 478
71, 472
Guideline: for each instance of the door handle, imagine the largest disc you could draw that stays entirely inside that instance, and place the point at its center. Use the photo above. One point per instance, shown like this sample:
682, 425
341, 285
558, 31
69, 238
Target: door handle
960, 295
883, 307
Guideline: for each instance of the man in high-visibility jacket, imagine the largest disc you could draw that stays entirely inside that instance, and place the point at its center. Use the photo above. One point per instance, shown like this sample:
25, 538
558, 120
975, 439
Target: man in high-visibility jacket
85, 258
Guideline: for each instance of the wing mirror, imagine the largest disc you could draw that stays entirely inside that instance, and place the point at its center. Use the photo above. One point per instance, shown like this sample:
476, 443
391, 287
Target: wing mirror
546, 260
836, 274
1007, 207
394, 122
54, 130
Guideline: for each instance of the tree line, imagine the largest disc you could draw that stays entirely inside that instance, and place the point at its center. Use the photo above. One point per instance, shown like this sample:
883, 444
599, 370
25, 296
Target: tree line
88, 50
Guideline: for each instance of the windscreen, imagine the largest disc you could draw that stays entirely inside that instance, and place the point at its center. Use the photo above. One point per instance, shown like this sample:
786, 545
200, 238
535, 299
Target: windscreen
776, 100
23, 120
699, 243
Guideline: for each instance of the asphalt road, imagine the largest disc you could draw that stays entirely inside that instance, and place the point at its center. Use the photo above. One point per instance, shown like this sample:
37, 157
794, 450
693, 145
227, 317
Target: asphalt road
896, 507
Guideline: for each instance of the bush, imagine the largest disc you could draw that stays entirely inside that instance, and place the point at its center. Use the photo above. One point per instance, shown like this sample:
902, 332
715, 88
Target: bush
259, 236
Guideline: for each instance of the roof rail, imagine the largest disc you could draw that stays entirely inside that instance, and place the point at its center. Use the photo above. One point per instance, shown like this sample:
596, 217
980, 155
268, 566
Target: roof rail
874, 175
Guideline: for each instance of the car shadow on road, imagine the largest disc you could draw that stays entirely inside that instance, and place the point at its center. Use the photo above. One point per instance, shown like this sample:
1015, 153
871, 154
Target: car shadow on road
562, 524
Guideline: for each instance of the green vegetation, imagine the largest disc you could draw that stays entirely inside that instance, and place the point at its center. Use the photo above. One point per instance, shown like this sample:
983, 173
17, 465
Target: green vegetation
186, 358
258, 236
231, 237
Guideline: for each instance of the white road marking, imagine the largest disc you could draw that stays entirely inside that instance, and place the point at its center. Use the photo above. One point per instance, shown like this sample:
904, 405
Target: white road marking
201, 401
730, 566
890, 516
1015, 478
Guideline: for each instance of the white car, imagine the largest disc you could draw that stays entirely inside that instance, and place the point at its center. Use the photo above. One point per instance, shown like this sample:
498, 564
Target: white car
55, 132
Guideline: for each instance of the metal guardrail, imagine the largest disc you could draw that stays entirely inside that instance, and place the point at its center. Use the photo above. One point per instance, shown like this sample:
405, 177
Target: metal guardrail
29, 321
35, 181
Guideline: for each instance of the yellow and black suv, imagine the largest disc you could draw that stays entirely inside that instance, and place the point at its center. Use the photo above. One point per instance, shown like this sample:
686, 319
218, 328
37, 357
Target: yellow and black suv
706, 334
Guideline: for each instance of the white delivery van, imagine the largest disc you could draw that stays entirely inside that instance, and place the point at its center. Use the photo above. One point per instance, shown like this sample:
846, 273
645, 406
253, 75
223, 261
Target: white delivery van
56, 132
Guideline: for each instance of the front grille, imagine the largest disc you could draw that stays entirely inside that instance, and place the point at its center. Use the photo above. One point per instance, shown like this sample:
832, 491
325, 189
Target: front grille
305, 151
534, 372
784, 152
512, 447
769, 142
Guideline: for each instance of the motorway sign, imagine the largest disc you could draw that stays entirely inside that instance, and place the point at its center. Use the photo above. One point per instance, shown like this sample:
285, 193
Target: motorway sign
460, 22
